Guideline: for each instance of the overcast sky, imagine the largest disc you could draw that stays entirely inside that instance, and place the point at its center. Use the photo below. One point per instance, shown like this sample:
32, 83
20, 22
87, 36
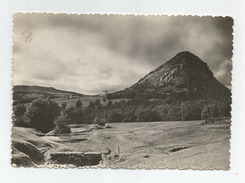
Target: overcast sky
92, 53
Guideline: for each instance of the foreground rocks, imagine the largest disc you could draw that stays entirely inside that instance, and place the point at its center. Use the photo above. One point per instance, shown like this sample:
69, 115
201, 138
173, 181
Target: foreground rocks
20, 159
76, 158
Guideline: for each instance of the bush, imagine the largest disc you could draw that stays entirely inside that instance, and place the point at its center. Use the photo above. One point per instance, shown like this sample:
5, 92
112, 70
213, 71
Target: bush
19, 109
21, 121
42, 113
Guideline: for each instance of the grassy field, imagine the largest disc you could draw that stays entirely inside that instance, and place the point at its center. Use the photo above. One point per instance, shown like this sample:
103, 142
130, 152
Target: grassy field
146, 145
72, 102
85, 100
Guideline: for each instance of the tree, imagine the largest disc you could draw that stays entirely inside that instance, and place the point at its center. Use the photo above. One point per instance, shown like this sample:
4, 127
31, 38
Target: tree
91, 104
19, 109
109, 103
78, 116
174, 113
214, 112
147, 116
64, 105
206, 113
42, 113
97, 102
62, 125
74, 115
115, 116
79, 104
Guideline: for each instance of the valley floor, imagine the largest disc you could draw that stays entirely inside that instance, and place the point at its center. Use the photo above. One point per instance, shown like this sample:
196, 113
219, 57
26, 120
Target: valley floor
183, 145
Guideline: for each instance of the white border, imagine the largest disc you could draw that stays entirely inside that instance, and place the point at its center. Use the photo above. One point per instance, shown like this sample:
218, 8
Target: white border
234, 8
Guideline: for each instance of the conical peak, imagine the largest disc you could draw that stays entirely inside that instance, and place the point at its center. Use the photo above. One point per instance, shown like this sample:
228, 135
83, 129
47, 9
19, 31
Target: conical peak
187, 59
184, 73
185, 56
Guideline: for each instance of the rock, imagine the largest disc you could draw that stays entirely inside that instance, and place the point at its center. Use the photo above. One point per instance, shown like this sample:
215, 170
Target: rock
20, 159
29, 149
76, 158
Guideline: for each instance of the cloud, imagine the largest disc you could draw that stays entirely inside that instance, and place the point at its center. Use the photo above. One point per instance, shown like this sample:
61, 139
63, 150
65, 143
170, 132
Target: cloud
223, 73
90, 53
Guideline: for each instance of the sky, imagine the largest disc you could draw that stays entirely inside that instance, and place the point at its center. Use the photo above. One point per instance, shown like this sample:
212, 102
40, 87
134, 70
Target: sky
92, 53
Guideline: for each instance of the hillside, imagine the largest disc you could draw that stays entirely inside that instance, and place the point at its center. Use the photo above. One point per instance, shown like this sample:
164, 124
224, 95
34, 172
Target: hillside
185, 74
25, 94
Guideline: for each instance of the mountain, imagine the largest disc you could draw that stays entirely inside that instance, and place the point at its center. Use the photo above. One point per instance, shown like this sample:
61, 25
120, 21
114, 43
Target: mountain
184, 75
25, 94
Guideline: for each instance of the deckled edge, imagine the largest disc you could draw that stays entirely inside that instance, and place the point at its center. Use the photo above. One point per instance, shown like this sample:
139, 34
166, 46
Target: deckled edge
56, 166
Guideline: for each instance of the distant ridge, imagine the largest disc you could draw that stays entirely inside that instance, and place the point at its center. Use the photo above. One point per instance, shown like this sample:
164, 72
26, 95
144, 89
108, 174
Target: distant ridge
26, 94
41, 89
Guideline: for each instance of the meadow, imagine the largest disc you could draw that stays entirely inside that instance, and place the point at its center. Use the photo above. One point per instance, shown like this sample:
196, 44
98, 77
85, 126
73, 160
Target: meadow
172, 144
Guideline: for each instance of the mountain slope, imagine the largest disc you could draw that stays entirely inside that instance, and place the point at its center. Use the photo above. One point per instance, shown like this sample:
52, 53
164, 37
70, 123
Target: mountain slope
185, 74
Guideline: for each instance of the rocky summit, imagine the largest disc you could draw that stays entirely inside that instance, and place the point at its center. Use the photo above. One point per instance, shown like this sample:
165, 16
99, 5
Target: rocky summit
184, 73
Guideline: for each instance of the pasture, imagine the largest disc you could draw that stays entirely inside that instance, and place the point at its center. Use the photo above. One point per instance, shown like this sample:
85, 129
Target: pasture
135, 145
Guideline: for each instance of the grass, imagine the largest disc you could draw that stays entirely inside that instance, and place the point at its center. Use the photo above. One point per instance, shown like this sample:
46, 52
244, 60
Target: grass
153, 144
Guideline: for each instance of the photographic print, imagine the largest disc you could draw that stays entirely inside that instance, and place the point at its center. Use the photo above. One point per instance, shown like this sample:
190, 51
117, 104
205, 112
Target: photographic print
121, 91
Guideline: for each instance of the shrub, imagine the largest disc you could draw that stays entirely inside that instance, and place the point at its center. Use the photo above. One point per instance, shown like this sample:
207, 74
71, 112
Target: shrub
42, 113
21, 121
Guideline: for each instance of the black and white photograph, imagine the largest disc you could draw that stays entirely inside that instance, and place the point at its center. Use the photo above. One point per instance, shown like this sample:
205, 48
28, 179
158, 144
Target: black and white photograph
122, 91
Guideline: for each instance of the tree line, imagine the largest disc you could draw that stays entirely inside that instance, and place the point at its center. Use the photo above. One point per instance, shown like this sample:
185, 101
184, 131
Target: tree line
45, 114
